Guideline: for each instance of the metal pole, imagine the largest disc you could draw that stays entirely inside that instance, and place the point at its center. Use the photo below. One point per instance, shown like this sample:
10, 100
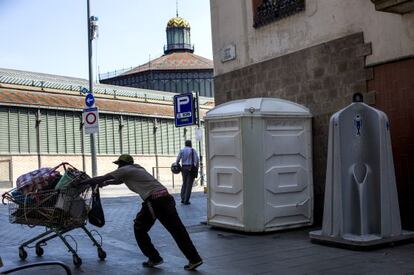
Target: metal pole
90, 37
38, 121
199, 142
155, 127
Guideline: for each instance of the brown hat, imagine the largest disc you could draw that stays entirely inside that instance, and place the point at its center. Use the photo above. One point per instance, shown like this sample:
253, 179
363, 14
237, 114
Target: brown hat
125, 158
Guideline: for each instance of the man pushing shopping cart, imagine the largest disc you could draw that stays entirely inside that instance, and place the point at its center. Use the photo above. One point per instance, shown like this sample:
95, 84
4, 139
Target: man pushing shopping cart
158, 204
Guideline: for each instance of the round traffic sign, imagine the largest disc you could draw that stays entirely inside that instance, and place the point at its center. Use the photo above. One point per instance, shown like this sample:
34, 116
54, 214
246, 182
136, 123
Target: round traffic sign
89, 100
90, 118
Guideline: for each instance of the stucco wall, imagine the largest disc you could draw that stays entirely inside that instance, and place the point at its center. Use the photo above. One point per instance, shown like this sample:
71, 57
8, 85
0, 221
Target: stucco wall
26, 163
391, 35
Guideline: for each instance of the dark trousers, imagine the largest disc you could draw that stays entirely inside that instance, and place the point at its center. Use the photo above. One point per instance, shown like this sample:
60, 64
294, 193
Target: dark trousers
187, 186
163, 209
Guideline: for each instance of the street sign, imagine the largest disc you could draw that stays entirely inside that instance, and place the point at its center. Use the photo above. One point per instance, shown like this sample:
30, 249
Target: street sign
84, 91
90, 118
89, 100
184, 114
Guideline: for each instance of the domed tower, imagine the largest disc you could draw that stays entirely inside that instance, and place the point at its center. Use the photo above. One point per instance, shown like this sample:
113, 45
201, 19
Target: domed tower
178, 36
178, 70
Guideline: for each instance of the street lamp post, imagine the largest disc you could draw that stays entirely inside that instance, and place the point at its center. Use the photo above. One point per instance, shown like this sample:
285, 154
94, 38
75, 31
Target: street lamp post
90, 21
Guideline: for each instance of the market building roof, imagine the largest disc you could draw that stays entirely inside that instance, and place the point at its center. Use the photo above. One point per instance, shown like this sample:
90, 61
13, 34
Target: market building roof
22, 88
174, 61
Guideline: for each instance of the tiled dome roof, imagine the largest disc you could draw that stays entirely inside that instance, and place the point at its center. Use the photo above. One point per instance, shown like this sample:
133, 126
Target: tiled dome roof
178, 22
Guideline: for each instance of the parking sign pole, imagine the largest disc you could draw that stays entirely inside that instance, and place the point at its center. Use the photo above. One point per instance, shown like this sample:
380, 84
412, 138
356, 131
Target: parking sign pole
90, 38
199, 142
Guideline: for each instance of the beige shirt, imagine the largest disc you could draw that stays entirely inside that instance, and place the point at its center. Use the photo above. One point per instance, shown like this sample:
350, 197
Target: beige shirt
137, 179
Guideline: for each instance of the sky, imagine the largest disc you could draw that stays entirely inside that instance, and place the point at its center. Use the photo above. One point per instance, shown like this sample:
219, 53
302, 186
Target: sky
50, 36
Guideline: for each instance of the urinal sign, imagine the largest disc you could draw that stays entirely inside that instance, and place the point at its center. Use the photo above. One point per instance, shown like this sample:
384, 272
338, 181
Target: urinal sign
358, 124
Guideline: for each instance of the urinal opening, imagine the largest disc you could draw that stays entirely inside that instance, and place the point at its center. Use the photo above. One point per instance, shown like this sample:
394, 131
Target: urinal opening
360, 173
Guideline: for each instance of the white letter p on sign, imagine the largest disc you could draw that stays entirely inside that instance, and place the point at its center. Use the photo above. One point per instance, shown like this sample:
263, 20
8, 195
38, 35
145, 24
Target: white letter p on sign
182, 101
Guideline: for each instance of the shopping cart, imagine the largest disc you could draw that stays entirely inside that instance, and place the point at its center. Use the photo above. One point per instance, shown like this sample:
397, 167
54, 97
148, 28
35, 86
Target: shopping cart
58, 210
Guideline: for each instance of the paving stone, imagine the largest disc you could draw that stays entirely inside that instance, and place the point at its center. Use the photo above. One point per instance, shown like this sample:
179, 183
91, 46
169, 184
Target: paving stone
223, 251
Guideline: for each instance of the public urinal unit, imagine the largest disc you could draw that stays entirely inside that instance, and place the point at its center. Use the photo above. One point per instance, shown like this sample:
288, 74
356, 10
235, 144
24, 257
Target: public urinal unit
361, 201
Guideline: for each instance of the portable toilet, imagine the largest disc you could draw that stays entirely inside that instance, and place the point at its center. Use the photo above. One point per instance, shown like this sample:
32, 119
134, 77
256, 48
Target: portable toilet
361, 202
259, 165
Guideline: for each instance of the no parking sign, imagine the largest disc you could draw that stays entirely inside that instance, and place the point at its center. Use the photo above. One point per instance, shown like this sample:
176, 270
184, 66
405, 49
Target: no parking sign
91, 120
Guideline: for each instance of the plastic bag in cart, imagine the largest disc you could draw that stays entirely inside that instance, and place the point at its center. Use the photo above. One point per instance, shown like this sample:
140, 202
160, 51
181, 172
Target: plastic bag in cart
40, 179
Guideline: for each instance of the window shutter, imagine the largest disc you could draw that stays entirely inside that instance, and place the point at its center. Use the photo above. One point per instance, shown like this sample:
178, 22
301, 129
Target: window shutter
51, 132
110, 143
164, 137
116, 135
171, 138
146, 137
44, 147
23, 131
77, 133
102, 140
70, 133
4, 130
61, 132
138, 133
158, 135
14, 130
131, 135
32, 131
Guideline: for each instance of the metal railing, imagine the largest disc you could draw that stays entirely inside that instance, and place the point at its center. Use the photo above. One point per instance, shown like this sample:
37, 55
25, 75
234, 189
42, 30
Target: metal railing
200, 180
178, 46
115, 73
154, 174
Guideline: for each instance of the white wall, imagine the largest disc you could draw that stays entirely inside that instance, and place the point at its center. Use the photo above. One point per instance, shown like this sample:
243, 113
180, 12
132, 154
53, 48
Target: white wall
392, 35
26, 163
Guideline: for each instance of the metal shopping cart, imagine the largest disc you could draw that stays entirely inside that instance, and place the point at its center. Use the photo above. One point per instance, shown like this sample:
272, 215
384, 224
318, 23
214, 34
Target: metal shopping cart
59, 210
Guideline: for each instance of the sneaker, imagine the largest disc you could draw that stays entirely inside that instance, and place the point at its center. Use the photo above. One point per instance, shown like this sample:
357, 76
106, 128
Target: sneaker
150, 263
193, 266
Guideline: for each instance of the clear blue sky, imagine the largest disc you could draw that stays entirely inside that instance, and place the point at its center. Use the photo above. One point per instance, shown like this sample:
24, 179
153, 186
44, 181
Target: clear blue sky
50, 36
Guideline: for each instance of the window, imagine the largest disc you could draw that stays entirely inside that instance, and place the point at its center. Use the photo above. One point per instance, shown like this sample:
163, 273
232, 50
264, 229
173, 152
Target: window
268, 11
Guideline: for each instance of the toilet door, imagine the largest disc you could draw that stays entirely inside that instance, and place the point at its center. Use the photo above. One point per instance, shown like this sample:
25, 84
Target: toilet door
288, 172
225, 205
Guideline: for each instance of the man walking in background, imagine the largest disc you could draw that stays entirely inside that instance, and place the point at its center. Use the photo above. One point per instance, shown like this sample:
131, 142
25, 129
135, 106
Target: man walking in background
189, 162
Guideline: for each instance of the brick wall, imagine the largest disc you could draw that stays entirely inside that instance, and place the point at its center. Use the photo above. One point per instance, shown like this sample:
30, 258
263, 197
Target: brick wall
322, 78
393, 85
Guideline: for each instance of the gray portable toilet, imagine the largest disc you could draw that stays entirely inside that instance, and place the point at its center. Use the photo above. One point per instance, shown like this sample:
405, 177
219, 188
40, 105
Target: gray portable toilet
259, 160
361, 202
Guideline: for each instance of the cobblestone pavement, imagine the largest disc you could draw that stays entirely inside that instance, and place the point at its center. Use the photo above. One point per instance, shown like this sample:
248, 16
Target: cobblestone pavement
224, 252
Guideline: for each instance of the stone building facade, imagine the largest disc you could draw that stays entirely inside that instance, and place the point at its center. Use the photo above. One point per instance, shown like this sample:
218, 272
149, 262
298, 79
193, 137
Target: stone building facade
318, 53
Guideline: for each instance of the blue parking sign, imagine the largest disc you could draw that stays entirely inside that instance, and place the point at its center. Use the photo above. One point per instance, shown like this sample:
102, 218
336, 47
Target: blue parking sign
184, 110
